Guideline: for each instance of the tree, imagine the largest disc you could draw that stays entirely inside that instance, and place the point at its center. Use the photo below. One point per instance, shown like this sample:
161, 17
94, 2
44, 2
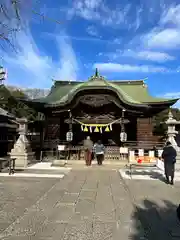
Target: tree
160, 127
9, 102
12, 19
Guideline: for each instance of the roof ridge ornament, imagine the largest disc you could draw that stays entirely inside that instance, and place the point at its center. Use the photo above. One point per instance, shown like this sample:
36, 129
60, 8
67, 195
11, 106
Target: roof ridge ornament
96, 76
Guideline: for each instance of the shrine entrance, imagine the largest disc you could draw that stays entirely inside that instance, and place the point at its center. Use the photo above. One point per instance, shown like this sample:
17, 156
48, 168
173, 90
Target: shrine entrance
100, 117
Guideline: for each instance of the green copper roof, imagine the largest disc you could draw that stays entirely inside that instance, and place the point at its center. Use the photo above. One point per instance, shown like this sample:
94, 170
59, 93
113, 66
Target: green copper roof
131, 92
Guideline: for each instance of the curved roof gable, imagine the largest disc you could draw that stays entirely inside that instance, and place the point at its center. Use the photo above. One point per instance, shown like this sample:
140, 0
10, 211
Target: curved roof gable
133, 93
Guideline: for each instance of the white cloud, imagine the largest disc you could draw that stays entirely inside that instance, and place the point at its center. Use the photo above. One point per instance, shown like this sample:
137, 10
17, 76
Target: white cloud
167, 38
85, 9
68, 62
173, 95
115, 67
30, 66
167, 33
91, 30
117, 41
171, 15
177, 104
97, 10
142, 55
149, 55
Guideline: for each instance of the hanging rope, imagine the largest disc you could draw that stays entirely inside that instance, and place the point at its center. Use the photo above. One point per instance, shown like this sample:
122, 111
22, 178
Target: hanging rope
96, 124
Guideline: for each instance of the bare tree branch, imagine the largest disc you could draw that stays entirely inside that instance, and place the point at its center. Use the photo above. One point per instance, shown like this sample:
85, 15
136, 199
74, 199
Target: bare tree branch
16, 8
10, 21
45, 17
13, 17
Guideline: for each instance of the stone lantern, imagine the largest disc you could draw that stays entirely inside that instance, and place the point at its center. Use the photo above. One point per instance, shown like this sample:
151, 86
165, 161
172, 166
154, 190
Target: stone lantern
22, 150
171, 132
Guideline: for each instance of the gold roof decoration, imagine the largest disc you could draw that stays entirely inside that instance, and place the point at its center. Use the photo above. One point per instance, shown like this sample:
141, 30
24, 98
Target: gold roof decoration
96, 76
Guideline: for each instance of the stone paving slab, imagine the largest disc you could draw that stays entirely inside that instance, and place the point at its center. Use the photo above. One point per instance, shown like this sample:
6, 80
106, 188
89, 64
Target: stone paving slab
89, 204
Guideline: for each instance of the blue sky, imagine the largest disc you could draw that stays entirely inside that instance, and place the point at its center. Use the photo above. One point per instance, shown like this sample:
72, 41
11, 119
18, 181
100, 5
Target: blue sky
135, 39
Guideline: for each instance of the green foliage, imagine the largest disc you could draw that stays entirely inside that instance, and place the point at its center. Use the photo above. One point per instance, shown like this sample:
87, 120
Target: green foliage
9, 101
160, 127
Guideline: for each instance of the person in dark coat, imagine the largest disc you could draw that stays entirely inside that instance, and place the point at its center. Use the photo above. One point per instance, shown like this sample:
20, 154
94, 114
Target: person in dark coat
169, 155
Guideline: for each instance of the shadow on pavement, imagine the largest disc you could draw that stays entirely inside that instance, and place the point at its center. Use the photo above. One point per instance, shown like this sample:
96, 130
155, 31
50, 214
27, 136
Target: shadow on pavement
155, 222
152, 174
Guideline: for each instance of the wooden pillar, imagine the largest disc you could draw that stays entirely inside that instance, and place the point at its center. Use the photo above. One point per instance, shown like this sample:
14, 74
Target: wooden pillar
144, 130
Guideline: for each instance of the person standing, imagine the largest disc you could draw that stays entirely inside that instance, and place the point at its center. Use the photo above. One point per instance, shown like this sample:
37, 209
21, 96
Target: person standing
88, 147
169, 155
99, 150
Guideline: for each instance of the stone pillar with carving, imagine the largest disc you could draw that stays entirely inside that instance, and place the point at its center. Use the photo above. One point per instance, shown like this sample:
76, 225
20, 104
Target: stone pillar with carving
22, 150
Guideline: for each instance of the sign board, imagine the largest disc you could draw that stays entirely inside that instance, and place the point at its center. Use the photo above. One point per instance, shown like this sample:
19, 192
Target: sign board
61, 147
123, 150
160, 164
151, 153
141, 152
131, 155
160, 153
145, 159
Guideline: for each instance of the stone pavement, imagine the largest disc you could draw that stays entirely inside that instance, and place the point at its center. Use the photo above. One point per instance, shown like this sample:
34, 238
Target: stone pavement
87, 204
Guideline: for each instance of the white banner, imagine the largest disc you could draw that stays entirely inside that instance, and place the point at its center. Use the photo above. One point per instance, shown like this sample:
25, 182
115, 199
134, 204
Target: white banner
61, 147
141, 152
123, 150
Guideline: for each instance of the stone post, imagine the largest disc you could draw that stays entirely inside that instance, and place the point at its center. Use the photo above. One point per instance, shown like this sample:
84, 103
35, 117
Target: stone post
22, 150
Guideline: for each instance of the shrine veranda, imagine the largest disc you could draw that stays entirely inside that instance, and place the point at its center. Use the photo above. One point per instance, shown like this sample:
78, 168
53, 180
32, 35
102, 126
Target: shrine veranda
119, 113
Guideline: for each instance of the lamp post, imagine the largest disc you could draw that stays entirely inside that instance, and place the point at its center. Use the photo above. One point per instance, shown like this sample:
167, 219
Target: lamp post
69, 134
123, 134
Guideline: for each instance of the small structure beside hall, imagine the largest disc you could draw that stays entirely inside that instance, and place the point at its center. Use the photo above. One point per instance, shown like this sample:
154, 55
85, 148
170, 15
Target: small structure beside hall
117, 112
8, 132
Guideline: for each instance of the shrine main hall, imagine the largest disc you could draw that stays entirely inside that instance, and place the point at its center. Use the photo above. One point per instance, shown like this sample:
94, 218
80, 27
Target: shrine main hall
112, 111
